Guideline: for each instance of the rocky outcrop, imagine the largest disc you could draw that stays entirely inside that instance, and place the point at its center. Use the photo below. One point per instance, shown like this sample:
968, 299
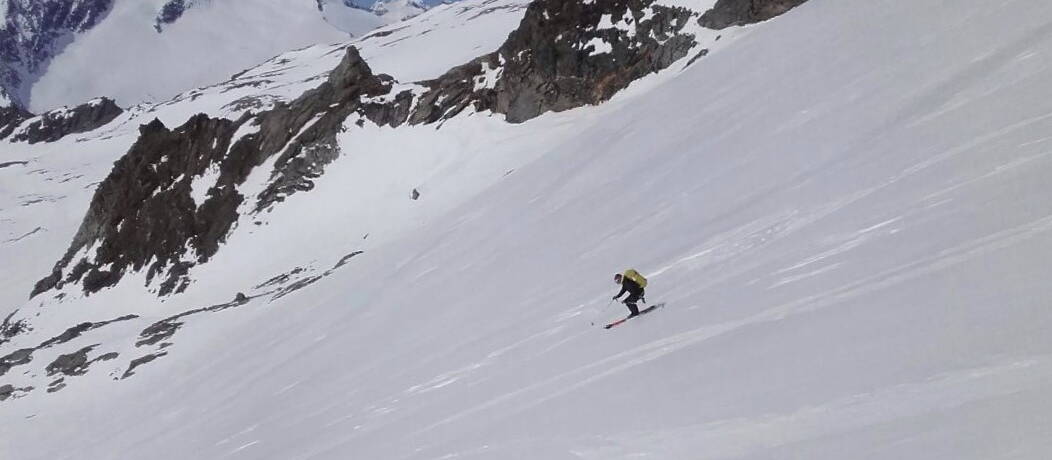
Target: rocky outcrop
135, 363
554, 61
15, 358
56, 124
319, 114
727, 13
144, 210
10, 391
75, 363
25, 355
563, 55
9, 328
11, 118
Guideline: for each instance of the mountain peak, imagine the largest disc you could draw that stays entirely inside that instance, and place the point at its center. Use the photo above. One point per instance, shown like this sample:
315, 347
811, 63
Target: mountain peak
398, 9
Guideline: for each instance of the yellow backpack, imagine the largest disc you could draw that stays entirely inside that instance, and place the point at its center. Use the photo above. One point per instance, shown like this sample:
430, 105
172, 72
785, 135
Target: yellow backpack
633, 275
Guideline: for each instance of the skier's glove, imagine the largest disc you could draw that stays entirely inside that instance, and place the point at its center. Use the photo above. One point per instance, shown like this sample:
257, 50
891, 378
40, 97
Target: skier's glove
615, 297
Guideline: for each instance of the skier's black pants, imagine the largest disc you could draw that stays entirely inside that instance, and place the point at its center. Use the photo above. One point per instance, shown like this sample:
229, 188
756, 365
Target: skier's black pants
631, 300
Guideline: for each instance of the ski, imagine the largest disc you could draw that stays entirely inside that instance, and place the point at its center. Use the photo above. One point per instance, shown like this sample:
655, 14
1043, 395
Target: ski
641, 313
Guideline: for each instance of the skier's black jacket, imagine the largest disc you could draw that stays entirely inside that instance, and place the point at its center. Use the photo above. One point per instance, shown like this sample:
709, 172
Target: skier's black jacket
631, 287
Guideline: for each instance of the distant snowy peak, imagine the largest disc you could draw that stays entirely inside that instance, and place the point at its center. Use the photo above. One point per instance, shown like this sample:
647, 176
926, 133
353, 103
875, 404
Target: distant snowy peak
152, 50
398, 10
34, 31
392, 10
107, 43
341, 12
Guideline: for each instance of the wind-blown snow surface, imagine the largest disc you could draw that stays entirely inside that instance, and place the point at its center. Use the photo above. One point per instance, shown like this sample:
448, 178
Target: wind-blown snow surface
125, 58
845, 211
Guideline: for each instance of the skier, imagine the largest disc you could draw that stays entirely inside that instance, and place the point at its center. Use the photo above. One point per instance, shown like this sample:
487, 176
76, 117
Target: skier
634, 284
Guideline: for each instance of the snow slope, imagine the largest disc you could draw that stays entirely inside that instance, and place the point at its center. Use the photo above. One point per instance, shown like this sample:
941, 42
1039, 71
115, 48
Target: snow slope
127, 59
46, 197
844, 210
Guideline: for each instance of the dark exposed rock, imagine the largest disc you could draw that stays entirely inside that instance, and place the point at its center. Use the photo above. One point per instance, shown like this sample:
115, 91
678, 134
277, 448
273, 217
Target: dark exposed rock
79, 329
281, 279
156, 332
68, 335
25, 355
701, 54
393, 113
8, 391
57, 124
75, 363
9, 329
16, 358
135, 363
8, 164
56, 385
297, 285
48, 282
11, 118
549, 63
314, 148
166, 328
347, 258
144, 210
727, 13
547, 68
414, 195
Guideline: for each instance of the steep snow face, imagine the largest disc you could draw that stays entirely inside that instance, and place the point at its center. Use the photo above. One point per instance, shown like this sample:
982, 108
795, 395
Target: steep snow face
844, 212
127, 59
151, 50
466, 30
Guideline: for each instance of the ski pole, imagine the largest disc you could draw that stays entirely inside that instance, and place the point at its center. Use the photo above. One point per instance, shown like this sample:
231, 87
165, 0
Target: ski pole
604, 309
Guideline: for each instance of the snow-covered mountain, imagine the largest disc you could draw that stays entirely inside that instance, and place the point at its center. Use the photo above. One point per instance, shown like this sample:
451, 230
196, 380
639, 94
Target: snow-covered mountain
33, 31
351, 251
400, 9
64, 52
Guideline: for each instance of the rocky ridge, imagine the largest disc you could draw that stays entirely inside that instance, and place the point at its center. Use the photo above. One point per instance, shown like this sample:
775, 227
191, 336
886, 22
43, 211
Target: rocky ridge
57, 124
727, 13
144, 211
11, 118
